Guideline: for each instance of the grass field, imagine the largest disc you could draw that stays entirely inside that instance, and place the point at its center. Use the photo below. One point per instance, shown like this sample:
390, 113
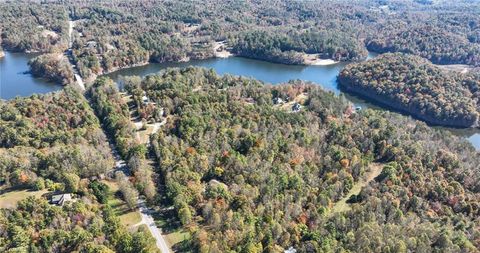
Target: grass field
127, 217
342, 205
11, 198
171, 228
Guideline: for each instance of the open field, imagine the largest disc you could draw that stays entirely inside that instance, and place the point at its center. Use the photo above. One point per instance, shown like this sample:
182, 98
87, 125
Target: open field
342, 205
11, 198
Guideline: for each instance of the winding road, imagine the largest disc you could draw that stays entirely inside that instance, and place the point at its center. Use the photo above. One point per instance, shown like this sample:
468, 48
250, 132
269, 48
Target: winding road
120, 165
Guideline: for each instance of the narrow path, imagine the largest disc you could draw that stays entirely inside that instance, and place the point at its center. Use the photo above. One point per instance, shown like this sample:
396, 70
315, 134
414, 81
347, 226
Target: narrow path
70, 32
120, 165
69, 55
342, 205
146, 212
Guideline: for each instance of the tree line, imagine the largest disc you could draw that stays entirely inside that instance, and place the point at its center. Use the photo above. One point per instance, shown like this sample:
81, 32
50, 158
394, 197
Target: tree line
246, 175
415, 85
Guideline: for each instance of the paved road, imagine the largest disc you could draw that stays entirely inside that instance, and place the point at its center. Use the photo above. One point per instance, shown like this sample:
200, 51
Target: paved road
120, 165
148, 220
69, 55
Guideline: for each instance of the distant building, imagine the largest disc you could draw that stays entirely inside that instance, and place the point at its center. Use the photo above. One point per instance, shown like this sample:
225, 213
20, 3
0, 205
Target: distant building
61, 199
296, 107
91, 44
278, 101
145, 100
290, 250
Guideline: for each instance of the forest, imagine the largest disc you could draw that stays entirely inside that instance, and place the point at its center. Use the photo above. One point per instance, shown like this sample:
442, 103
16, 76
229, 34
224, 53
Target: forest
109, 36
111, 107
54, 142
246, 175
54, 137
53, 67
31, 27
414, 85
241, 165
37, 226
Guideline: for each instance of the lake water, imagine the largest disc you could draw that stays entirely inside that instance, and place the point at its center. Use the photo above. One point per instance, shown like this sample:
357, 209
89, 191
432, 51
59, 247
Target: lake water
15, 79
274, 74
15, 82
265, 71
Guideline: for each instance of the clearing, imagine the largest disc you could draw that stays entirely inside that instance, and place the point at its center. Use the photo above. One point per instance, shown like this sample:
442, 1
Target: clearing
314, 59
10, 199
342, 205
127, 217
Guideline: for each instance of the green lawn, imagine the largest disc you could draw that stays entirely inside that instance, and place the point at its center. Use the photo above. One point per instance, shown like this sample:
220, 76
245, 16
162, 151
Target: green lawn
127, 217
176, 237
342, 205
171, 228
11, 198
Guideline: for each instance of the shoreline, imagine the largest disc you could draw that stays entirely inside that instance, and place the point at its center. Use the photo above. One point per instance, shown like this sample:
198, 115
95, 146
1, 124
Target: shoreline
316, 60
388, 104
323, 62
220, 51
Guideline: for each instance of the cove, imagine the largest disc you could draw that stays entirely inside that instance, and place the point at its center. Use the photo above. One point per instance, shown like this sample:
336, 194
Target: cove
273, 73
15, 79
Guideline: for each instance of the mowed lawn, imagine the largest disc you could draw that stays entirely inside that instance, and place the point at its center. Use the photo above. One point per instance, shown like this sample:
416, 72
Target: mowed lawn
11, 198
127, 217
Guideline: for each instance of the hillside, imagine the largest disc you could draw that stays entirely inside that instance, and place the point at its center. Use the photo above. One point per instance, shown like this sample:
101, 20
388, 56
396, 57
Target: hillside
244, 174
414, 85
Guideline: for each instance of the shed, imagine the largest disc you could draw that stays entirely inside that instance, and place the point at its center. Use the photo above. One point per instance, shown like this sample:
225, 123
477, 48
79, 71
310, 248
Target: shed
60, 199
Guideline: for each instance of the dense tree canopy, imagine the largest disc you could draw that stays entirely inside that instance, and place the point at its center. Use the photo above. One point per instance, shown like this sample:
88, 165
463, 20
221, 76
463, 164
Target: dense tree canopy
37, 226
54, 67
414, 85
246, 175
50, 137
113, 35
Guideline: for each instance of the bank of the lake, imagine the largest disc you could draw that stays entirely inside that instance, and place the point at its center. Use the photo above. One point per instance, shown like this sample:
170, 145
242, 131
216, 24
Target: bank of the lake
15, 79
278, 73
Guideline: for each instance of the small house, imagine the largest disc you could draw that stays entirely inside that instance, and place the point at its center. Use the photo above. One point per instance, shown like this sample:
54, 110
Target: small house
278, 101
290, 250
296, 107
60, 199
145, 100
91, 44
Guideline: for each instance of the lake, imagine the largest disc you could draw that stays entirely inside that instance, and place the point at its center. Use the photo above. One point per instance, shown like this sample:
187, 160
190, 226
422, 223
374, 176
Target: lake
274, 73
265, 71
15, 79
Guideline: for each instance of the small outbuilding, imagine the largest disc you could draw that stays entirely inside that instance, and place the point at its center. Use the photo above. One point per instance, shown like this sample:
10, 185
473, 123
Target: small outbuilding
296, 107
278, 101
61, 199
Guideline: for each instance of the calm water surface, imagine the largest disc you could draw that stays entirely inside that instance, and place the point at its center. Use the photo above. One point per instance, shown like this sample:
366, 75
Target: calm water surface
265, 71
273, 73
15, 79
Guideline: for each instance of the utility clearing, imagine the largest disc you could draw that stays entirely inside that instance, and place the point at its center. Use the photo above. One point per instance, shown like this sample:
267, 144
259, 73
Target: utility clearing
342, 205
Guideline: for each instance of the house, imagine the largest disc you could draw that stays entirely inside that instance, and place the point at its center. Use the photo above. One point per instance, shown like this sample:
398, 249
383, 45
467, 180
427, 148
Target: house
296, 107
290, 250
61, 199
278, 101
145, 100
91, 44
